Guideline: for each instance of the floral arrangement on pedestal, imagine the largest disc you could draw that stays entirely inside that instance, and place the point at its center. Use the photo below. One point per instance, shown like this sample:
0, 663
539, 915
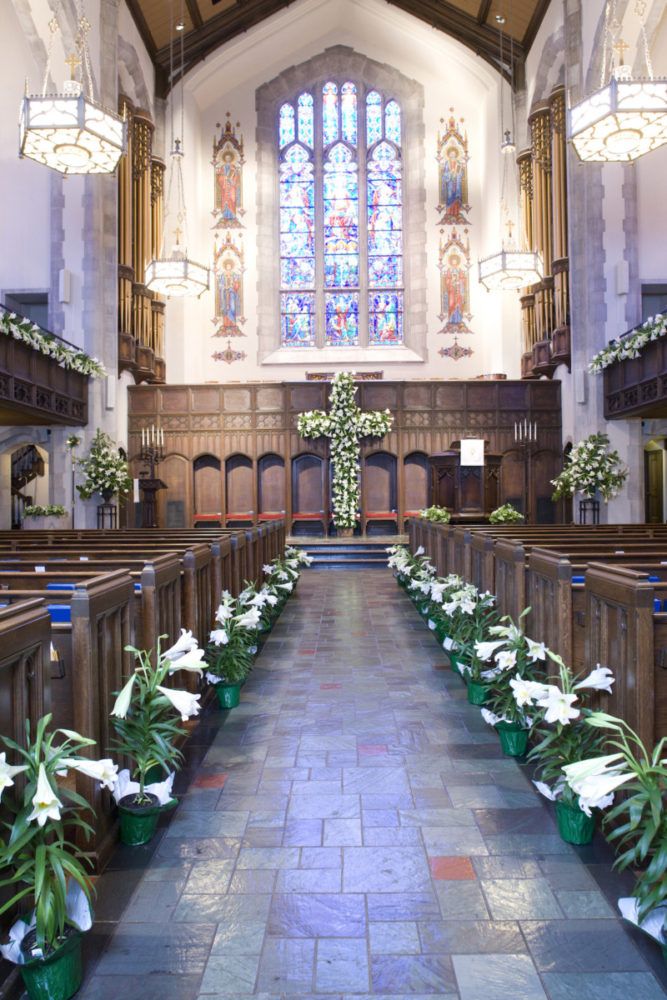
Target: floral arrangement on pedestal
439, 515
33, 336
631, 345
591, 468
506, 514
105, 470
344, 424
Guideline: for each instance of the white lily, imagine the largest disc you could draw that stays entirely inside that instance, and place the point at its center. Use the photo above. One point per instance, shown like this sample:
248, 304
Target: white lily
559, 706
271, 600
124, 698
224, 613
491, 718
506, 659
219, 637
184, 644
104, 771
549, 793
536, 650
485, 650
250, 619
593, 766
600, 679
420, 551
8, 772
267, 569
45, 802
191, 661
184, 702
526, 692
597, 790
286, 586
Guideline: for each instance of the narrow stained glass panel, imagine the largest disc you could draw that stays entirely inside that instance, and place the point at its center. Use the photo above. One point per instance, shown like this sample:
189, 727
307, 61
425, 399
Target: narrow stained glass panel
297, 320
329, 113
385, 318
392, 122
305, 117
286, 125
341, 219
349, 112
297, 248
385, 218
342, 319
373, 118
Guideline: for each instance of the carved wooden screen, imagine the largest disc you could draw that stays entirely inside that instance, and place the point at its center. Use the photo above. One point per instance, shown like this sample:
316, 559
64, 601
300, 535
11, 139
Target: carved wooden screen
308, 484
239, 485
380, 489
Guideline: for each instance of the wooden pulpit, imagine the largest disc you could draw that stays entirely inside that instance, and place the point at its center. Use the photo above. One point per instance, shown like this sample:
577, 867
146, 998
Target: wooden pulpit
468, 491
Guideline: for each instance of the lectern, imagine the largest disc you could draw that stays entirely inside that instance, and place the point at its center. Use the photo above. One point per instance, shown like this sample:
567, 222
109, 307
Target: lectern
466, 490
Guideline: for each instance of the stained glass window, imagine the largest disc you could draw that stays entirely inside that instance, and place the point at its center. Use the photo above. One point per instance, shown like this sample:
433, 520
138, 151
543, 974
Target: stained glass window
349, 291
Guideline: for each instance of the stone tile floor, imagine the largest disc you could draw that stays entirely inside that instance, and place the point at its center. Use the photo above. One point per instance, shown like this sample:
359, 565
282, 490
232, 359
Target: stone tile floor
352, 830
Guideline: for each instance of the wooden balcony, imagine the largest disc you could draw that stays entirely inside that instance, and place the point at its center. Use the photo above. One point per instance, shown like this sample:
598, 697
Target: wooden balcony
34, 389
638, 387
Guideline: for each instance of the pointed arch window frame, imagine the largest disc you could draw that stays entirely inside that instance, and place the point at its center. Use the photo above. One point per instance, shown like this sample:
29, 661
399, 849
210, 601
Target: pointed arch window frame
368, 75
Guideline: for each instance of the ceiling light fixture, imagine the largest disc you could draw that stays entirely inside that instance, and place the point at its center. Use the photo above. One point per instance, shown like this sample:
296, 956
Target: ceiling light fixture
626, 117
176, 275
71, 132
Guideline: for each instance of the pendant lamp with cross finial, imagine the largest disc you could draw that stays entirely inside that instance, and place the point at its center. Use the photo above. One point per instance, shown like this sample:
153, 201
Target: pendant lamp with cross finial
627, 116
71, 131
175, 274
511, 267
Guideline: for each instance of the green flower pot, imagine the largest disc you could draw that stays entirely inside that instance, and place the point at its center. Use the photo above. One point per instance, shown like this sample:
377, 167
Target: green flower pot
137, 823
477, 693
574, 826
454, 663
228, 695
57, 977
513, 739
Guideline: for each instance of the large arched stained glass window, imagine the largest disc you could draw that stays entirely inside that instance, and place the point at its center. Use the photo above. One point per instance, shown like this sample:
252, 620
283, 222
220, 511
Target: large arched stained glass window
341, 219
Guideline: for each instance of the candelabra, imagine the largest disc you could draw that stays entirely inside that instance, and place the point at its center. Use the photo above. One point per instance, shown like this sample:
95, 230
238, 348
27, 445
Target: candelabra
152, 452
525, 436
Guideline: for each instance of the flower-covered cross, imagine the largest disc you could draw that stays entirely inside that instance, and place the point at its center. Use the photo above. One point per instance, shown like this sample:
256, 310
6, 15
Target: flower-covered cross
345, 424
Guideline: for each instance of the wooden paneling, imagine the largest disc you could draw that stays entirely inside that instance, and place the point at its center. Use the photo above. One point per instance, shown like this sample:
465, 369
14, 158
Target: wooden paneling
272, 486
207, 485
239, 485
380, 486
260, 419
308, 481
415, 481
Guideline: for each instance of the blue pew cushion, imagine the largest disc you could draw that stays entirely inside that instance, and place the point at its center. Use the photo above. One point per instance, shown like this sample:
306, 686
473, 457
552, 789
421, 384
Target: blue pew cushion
60, 613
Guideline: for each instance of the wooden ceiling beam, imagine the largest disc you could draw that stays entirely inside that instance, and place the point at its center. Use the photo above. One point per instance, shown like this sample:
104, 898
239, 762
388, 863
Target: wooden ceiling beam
220, 29
465, 28
195, 13
142, 27
541, 8
483, 13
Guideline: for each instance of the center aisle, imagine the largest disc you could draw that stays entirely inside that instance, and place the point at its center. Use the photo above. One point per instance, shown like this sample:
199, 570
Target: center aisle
354, 831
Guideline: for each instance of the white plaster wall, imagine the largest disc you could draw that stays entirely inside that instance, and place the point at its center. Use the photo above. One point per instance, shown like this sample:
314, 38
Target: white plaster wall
24, 220
135, 78
451, 75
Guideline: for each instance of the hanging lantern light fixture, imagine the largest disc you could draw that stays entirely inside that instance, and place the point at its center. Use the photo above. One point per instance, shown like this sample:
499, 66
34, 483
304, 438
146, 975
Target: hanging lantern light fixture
510, 268
626, 117
71, 132
176, 274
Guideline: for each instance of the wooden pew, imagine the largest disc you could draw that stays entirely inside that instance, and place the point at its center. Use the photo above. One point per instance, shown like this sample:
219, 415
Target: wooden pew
626, 634
25, 640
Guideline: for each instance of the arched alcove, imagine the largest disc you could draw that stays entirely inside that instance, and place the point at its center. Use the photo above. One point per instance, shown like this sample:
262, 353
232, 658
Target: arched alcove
271, 486
379, 493
415, 482
309, 499
239, 490
207, 485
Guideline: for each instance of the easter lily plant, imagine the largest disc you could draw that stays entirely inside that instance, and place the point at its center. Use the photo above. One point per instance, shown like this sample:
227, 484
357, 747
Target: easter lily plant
44, 873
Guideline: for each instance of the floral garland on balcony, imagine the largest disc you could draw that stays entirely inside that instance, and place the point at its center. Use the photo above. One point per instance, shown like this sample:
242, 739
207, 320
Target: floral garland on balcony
67, 357
629, 346
345, 424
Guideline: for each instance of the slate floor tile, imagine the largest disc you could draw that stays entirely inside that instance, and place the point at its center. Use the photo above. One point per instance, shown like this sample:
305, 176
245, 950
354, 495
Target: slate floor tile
521, 899
410, 974
385, 869
156, 986
317, 915
147, 949
474, 937
584, 903
287, 966
394, 938
497, 977
461, 900
602, 986
342, 963
581, 946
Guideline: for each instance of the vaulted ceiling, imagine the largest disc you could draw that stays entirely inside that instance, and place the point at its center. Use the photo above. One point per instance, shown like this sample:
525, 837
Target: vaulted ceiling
210, 23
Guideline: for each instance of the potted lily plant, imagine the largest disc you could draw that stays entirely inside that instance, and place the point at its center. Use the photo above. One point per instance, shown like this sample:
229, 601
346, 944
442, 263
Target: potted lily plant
45, 518
39, 861
565, 739
439, 515
518, 664
145, 717
472, 614
231, 648
505, 514
638, 823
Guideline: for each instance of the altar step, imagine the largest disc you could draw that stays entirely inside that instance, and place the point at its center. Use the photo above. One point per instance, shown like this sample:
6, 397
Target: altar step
345, 553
